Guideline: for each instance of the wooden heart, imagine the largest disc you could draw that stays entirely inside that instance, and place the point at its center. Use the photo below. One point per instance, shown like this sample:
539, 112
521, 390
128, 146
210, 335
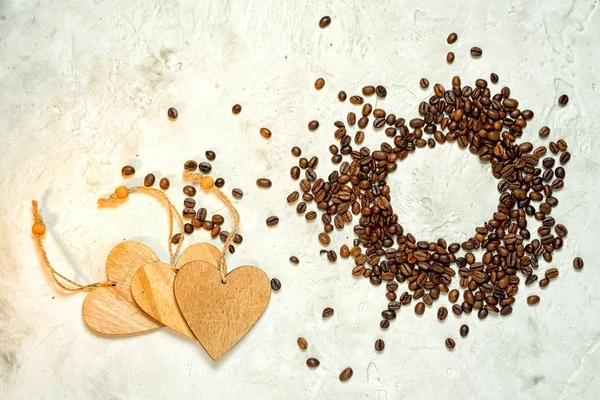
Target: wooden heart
111, 309
220, 314
152, 286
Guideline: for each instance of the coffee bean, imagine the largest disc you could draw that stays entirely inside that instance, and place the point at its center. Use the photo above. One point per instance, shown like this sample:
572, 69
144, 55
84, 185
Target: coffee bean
296, 151
424, 83
275, 284
452, 38
189, 203
127, 170
176, 238
551, 273
420, 308
188, 228
149, 180
476, 52
236, 109
319, 83
332, 256
265, 132
442, 313
220, 182
356, 100
563, 100
313, 125
172, 114
218, 219
464, 330
311, 215
263, 183
201, 214
533, 299
295, 172
342, 96
237, 193
494, 77
565, 157
368, 90
301, 208
293, 197
272, 220
205, 167
450, 343
312, 363
324, 238
453, 296
379, 345
544, 282
561, 230
544, 131
346, 374
190, 165
578, 263
302, 343
327, 312
164, 183
210, 155
384, 324
381, 91
294, 260
324, 22
450, 57
189, 191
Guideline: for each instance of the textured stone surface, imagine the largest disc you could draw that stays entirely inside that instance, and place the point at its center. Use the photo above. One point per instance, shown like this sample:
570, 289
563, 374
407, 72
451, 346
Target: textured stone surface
85, 89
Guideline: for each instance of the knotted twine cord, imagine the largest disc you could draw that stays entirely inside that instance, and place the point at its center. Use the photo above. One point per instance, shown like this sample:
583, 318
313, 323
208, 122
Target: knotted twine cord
113, 198
196, 177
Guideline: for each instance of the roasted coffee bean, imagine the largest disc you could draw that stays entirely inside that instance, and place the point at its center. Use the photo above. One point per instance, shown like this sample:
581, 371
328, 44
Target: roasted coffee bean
424, 83
313, 125
205, 167
563, 100
236, 109
293, 197
172, 114
331, 256
356, 100
384, 324
442, 313
302, 343
263, 183
476, 52
453, 295
188, 228
189, 203
164, 183
381, 91
561, 230
452, 38
176, 238
379, 345
324, 22
342, 96
368, 90
327, 312
237, 193
275, 284
296, 151
190, 165
324, 238
219, 182
294, 260
272, 220
533, 299
346, 374
210, 155
149, 180
312, 363
464, 330
551, 273
301, 208
420, 308
218, 219
565, 157
311, 215
578, 263
544, 282
208, 225
201, 214
494, 77
127, 170
295, 172
319, 83
544, 131
189, 190
450, 57
265, 132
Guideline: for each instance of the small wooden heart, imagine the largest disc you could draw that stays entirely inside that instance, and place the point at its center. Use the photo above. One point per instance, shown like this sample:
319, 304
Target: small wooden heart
111, 309
221, 314
152, 286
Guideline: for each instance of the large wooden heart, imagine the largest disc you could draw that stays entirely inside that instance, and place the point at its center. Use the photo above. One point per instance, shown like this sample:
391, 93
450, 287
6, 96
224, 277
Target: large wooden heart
152, 286
111, 309
220, 314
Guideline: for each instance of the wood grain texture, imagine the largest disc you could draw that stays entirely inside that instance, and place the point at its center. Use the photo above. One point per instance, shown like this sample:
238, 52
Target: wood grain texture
152, 287
220, 314
111, 309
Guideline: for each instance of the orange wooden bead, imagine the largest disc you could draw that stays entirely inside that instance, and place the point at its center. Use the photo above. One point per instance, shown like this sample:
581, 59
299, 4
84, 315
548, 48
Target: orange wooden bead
38, 228
207, 182
122, 192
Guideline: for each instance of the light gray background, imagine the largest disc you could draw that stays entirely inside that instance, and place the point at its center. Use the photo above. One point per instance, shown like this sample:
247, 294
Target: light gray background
85, 88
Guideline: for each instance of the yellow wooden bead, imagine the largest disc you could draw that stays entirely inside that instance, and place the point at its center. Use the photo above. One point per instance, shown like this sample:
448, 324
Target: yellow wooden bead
38, 228
122, 192
207, 182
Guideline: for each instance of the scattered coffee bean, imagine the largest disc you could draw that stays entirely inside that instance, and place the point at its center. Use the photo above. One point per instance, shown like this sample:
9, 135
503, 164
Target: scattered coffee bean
190, 165
328, 312
442, 313
331, 256
450, 57
172, 114
563, 100
275, 284
578, 263
450, 343
313, 125
236, 109
544, 131
384, 324
294, 260
302, 343
476, 52
324, 22
379, 345
219, 182
319, 83
381, 91
210, 155
263, 183
420, 308
452, 38
265, 132
218, 219
312, 363
272, 220
188, 228
342, 96
424, 83
533, 299
127, 170
205, 167
237, 193
149, 180
176, 238
346, 374
189, 191
464, 330
189, 203
164, 183
494, 77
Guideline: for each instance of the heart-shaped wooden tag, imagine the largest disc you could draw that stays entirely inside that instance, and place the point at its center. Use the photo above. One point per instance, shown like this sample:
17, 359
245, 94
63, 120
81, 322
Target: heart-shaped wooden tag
111, 309
152, 286
220, 314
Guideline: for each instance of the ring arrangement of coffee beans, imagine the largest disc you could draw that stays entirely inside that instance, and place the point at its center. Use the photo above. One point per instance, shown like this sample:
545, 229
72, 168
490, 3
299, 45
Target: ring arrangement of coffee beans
520, 232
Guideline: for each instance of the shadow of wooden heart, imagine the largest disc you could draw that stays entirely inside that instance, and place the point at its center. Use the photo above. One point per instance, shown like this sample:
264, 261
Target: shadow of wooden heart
220, 314
152, 286
111, 310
